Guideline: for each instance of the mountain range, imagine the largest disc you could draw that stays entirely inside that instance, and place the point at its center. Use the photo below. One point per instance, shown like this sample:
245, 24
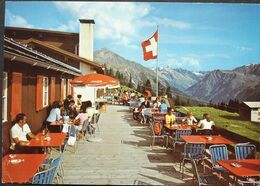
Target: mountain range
139, 73
180, 78
242, 83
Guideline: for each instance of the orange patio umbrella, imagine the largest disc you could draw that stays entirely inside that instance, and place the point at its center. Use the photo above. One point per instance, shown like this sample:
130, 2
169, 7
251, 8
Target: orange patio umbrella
96, 80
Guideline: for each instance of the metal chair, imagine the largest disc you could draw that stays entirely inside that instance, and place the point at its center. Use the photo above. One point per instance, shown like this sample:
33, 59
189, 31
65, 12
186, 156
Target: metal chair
178, 134
133, 105
218, 152
56, 162
250, 181
245, 151
203, 179
196, 151
71, 135
157, 135
44, 177
84, 129
95, 120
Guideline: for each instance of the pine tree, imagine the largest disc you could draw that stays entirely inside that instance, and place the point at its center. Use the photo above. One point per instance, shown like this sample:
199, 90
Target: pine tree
161, 91
177, 100
105, 69
188, 102
168, 92
118, 75
111, 72
148, 85
130, 84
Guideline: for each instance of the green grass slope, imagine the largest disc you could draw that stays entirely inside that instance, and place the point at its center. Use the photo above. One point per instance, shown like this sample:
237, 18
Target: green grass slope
227, 120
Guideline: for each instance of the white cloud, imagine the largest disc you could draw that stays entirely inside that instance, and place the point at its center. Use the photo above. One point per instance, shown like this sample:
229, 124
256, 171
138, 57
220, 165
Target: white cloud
172, 23
185, 62
119, 22
244, 49
211, 55
69, 27
16, 20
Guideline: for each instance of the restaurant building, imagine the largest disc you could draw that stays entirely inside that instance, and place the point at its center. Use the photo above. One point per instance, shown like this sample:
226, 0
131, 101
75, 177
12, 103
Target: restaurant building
38, 68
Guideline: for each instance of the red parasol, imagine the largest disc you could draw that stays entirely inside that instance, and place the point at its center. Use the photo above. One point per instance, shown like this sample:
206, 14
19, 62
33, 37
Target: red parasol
95, 80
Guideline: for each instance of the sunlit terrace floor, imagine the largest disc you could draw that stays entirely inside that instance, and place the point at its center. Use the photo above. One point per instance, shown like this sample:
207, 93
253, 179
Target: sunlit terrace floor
124, 156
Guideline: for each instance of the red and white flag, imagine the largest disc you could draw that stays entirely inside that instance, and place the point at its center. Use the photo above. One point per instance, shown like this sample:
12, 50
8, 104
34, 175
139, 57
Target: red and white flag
150, 47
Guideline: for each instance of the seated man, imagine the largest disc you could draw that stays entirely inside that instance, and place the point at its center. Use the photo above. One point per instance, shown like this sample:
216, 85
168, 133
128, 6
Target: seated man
170, 119
19, 133
206, 124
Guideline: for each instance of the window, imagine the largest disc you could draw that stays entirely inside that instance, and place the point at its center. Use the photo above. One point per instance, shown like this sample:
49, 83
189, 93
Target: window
4, 98
45, 93
64, 88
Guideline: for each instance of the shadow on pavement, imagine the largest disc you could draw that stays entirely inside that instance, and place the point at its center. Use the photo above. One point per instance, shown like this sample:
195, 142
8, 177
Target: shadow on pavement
162, 181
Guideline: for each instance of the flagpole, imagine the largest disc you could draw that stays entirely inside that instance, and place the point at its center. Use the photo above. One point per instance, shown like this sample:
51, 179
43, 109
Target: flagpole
157, 63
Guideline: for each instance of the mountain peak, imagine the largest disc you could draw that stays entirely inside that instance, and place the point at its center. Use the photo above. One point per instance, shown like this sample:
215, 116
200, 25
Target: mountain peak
252, 68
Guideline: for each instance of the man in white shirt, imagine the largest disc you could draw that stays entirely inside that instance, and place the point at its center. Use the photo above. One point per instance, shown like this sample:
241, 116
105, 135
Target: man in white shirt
19, 133
206, 124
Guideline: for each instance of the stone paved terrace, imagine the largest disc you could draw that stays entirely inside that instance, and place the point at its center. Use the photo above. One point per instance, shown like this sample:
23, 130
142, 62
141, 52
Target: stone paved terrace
123, 157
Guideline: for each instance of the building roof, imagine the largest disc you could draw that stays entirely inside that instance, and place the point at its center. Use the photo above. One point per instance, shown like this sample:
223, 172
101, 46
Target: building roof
64, 52
43, 31
22, 51
252, 104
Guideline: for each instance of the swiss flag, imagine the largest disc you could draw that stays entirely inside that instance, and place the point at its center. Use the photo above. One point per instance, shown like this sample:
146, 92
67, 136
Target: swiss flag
150, 47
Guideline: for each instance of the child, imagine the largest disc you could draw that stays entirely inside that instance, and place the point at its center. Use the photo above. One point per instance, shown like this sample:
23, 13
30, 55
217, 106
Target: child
78, 102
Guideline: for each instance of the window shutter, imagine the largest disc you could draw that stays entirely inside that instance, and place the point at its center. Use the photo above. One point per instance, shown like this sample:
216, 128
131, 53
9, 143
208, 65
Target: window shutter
61, 90
71, 90
16, 94
69, 87
39, 93
52, 90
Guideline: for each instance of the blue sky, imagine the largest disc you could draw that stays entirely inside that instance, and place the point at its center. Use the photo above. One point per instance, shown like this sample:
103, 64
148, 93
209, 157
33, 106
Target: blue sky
192, 36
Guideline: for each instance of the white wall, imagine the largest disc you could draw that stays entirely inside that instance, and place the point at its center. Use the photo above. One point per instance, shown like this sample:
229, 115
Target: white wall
255, 115
86, 69
88, 93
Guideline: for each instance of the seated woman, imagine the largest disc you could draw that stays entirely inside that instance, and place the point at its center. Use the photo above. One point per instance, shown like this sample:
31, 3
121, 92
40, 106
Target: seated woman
143, 107
190, 119
135, 108
66, 102
206, 125
78, 102
163, 107
80, 118
125, 98
90, 110
19, 133
157, 102
72, 109
55, 115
